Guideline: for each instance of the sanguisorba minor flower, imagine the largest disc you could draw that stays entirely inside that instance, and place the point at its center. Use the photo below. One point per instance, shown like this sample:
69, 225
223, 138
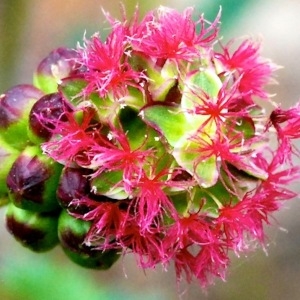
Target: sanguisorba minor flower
161, 147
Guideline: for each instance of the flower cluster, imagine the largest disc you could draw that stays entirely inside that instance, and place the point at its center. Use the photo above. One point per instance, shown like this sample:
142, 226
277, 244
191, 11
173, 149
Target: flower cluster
151, 142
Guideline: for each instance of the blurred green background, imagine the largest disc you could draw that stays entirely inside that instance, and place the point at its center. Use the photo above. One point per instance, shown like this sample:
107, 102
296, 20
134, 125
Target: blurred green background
29, 30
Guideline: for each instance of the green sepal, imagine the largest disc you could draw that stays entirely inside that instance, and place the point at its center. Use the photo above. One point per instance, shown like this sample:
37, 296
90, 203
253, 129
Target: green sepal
181, 203
48, 84
169, 121
163, 80
243, 125
107, 184
246, 165
71, 89
203, 81
211, 199
204, 170
16, 104
8, 155
208, 81
16, 134
134, 127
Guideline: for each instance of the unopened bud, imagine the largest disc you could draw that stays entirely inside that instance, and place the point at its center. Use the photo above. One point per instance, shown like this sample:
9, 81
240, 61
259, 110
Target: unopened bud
15, 105
36, 231
56, 66
72, 233
32, 181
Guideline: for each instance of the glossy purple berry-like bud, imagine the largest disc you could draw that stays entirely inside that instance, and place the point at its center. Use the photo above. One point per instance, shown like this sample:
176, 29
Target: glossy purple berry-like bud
43, 115
32, 181
73, 184
15, 105
59, 64
36, 231
71, 233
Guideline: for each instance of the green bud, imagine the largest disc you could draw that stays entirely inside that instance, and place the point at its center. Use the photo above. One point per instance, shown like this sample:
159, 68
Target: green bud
15, 105
56, 66
36, 231
71, 233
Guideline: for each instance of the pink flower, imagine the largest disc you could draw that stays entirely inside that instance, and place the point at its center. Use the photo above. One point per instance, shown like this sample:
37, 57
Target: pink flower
254, 71
107, 67
107, 222
116, 154
222, 149
224, 107
280, 176
151, 203
146, 245
287, 125
171, 35
196, 249
242, 223
114, 227
172, 158
72, 139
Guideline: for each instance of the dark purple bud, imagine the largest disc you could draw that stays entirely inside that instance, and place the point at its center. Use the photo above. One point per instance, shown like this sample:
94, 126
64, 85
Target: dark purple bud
32, 181
73, 184
43, 115
59, 64
36, 231
72, 233
15, 105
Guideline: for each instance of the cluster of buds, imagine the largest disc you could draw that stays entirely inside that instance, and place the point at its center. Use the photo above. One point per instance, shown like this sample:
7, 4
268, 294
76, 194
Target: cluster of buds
150, 142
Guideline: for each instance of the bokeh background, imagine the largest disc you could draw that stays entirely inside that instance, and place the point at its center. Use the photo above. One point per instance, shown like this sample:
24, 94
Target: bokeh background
29, 30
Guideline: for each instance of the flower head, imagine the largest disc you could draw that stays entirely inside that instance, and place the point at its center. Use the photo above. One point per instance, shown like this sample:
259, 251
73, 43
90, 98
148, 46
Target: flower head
106, 63
72, 138
254, 71
167, 34
165, 152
